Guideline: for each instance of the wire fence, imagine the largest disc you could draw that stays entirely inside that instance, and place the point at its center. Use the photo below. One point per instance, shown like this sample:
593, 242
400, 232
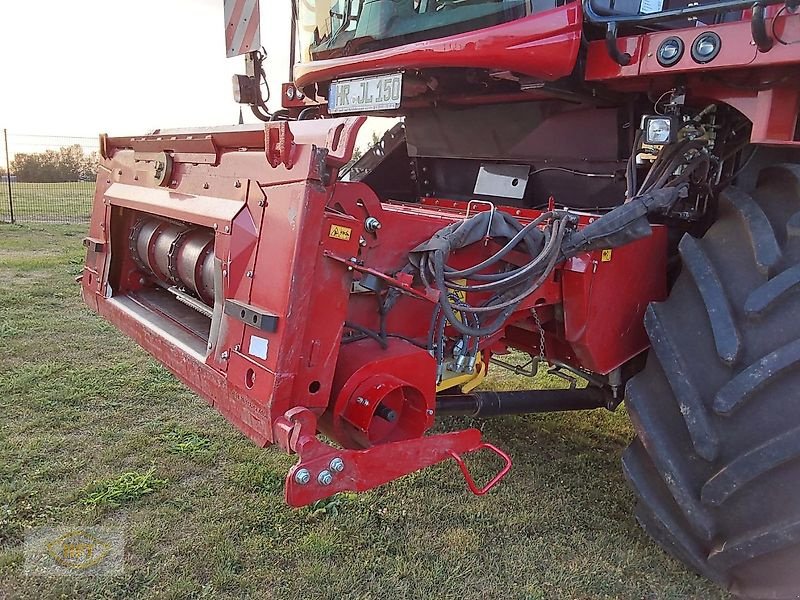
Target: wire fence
46, 179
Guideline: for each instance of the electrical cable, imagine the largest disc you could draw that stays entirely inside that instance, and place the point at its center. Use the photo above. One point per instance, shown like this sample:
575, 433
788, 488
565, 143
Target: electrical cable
775, 35
573, 172
368, 333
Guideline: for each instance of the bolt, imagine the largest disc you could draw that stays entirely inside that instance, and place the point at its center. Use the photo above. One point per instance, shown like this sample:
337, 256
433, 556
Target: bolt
250, 274
372, 224
238, 184
237, 347
262, 202
205, 186
216, 226
302, 476
362, 241
325, 477
337, 465
210, 345
224, 355
227, 229
429, 412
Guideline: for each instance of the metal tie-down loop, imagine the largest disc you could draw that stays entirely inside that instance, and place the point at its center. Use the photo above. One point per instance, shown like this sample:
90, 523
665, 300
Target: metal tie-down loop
493, 209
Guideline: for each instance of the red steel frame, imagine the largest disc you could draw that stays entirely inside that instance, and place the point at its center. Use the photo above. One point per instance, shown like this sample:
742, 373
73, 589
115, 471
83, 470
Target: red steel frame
290, 240
545, 46
278, 215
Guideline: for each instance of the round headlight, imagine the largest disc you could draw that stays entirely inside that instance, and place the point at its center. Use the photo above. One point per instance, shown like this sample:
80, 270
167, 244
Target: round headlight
670, 51
706, 47
290, 93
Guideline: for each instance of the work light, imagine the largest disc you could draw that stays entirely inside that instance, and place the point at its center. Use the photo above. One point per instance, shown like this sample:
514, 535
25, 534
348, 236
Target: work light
659, 130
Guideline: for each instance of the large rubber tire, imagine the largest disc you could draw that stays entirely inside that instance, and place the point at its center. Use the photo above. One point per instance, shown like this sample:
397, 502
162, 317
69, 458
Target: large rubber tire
716, 461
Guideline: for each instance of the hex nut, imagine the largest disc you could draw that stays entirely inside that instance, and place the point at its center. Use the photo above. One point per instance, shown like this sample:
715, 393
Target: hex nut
337, 465
372, 224
302, 476
325, 477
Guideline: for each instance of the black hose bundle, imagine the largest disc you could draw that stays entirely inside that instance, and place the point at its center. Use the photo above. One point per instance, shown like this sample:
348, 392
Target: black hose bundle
549, 239
509, 285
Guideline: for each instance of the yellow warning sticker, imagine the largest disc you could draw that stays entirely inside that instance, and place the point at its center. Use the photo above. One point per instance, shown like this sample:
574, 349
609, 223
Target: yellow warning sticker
340, 233
605, 255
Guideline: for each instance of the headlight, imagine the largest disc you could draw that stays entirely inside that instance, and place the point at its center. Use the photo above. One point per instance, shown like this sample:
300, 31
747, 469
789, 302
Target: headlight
706, 47
659, 130
670, 51
290, 93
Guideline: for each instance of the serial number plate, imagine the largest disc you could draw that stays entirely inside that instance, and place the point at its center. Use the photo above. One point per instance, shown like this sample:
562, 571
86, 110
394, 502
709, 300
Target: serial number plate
381, 92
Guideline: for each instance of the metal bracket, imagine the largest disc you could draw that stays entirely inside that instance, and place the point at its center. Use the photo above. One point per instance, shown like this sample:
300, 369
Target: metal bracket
93, 244
492, 211
158, 164
252, 316
278, 144
324, 470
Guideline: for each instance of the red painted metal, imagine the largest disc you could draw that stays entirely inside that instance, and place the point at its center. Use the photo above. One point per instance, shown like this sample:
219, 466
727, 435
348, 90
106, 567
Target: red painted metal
288, 242
773, 110
480, 491
363, 470
544, 45
400, 378
737, 51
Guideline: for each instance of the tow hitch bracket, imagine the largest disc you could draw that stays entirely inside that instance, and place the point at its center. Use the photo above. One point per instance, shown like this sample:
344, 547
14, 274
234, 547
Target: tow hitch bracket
324, 470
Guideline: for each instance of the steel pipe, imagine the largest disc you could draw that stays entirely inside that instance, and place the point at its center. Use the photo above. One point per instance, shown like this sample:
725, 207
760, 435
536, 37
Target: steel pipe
492, 404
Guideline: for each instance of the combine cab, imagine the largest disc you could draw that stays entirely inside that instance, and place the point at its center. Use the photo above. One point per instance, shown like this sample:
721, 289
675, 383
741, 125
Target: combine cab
609, 187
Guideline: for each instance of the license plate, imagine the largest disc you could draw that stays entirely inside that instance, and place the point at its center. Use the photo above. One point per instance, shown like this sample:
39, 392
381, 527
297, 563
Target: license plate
359, 94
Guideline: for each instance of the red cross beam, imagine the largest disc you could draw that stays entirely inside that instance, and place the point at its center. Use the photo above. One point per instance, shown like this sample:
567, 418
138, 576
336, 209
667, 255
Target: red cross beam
242, 27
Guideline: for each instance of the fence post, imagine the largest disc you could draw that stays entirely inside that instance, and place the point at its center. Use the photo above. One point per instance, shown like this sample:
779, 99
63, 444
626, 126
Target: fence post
8, 178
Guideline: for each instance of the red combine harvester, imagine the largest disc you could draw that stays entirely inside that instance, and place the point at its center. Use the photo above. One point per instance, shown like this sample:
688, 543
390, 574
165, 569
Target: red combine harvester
610, 187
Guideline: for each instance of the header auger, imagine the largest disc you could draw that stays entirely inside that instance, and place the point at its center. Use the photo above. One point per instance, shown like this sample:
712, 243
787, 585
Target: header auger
610, 187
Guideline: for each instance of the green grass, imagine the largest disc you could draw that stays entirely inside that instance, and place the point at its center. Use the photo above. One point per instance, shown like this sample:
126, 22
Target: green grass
127, 487
68, 202
187, 442
83, 408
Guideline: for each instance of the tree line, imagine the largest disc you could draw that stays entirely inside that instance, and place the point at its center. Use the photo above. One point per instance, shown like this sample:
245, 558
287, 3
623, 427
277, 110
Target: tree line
70, 163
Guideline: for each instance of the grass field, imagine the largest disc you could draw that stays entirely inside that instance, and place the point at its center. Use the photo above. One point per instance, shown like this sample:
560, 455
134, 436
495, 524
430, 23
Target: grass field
68, 202
90, 423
